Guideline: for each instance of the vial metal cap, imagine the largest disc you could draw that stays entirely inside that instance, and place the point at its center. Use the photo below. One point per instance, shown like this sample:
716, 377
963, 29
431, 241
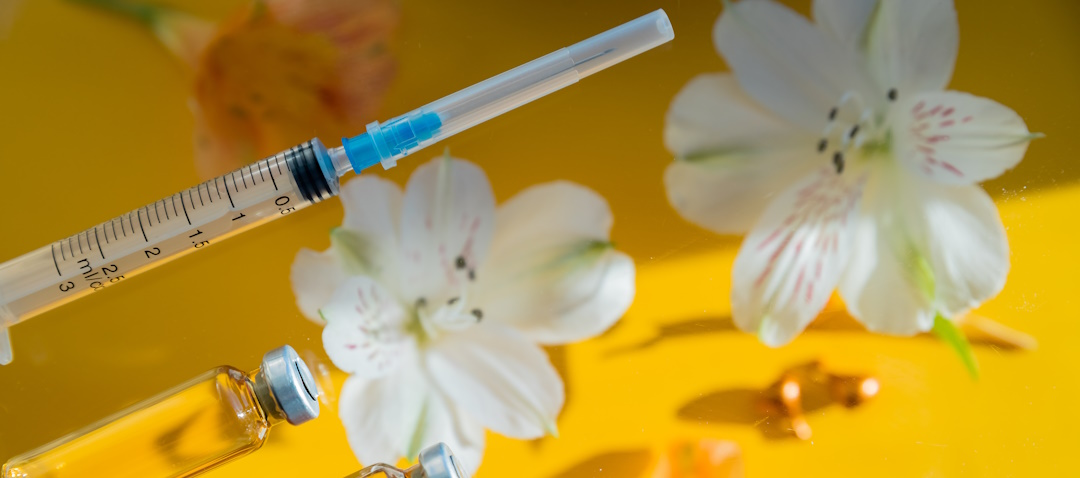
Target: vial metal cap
438, 461
291, 383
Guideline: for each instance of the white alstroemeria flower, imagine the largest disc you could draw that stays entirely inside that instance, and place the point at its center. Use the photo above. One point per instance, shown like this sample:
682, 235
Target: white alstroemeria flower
835, 145
435, 303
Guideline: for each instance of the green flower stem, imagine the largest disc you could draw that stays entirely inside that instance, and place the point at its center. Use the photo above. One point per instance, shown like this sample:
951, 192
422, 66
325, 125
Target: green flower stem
949, 333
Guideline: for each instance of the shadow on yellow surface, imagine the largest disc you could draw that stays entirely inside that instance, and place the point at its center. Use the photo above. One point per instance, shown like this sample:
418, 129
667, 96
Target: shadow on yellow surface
95, 123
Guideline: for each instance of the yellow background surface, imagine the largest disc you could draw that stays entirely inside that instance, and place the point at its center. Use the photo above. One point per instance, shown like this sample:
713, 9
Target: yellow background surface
94, 123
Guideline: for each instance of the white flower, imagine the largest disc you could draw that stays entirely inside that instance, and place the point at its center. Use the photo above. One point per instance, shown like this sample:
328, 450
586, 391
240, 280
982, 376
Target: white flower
835, 145
435, 302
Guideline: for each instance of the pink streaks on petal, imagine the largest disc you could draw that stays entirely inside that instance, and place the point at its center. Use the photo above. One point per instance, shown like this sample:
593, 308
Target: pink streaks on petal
776, 232
798, 283
952, 169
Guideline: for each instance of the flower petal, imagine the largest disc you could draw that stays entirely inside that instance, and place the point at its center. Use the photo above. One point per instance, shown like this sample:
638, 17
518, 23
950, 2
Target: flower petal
846, 20
361, 31
369, 243
365, 331
547, 214
398, 415
912, 46
498, 378
381, 415
185, 35
448, 214
790, 263
562, 295
886, 286
788, 65
315, 276
923, 248
957, 138
732, 155
552, 273
712, 114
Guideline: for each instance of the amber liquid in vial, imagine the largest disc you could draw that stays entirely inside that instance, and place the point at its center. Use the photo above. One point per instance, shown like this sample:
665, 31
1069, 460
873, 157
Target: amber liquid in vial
215, 418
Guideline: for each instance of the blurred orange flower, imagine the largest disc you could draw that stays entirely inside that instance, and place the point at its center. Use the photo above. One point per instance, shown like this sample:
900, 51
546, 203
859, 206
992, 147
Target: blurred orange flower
706, 458
278, 72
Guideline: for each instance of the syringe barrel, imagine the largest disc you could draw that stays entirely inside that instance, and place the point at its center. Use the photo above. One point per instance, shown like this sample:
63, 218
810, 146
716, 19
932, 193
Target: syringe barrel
124, 246
400, 136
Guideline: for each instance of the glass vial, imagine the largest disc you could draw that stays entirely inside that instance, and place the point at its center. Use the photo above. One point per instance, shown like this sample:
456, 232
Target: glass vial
216, 417
436, 461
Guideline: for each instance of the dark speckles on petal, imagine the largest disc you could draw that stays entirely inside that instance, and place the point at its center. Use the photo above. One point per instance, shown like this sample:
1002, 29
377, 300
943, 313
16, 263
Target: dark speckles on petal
479, 314
824, 143
893, 94
453, 300
472, 274
460, 262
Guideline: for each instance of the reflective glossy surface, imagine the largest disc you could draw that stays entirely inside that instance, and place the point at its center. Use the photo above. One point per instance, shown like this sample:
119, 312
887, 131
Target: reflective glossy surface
93, 105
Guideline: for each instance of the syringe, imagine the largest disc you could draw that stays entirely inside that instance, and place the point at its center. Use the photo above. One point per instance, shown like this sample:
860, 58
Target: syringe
118, 249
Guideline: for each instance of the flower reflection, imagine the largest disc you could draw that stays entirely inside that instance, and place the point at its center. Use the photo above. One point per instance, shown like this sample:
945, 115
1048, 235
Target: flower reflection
277, 73
834, 145
436, 302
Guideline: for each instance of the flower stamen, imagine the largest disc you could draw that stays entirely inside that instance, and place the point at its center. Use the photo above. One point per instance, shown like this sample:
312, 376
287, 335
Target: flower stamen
847, 134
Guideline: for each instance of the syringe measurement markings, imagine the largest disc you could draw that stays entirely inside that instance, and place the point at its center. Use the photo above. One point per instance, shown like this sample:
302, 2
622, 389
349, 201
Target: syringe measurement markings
173, 198
198, 190
54, 260
185, 209
157, 214
218, 188
100, 250
78, 239
261, 175
208, 195
277, 161
235, 185
163, 206
272, 180
191, 199
227, 192
244, 178
71, 247
138, 213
